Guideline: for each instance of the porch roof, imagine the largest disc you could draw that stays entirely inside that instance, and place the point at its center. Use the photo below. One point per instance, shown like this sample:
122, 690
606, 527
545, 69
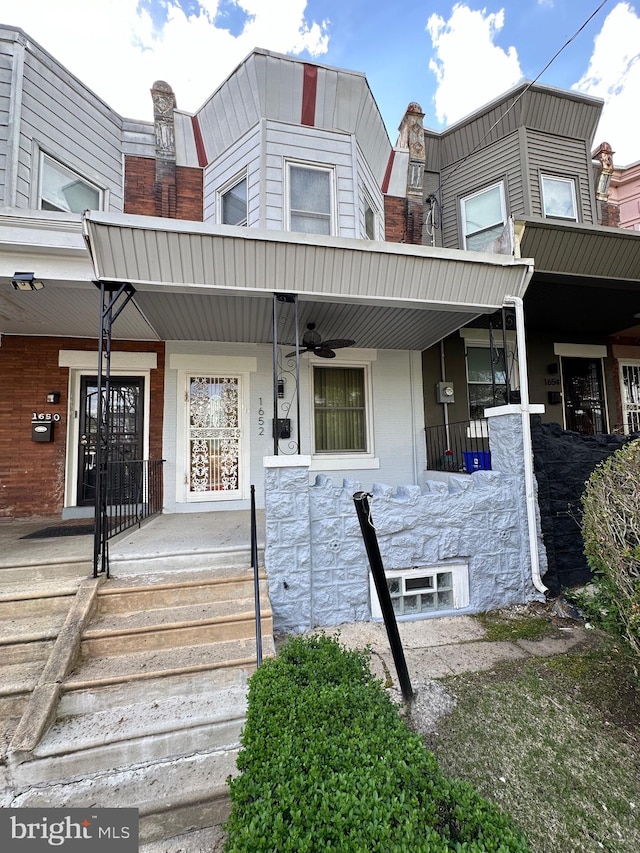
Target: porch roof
386, 295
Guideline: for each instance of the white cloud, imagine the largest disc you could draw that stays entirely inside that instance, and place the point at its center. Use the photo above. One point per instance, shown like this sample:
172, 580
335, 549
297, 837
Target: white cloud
115, 49
614, 75
469, 67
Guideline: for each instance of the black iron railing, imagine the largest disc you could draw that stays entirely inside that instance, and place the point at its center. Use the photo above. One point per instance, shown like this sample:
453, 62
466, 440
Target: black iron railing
461, 447
130, 491
256, 576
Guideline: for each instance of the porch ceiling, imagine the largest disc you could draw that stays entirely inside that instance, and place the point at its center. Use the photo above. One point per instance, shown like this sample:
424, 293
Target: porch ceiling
201, 282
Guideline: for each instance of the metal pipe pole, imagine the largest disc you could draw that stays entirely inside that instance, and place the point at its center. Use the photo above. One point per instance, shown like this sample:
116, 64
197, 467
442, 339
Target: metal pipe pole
361, 502
256, 577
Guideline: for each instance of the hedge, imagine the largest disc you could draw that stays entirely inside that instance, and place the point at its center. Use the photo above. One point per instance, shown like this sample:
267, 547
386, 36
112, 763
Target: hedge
327, 764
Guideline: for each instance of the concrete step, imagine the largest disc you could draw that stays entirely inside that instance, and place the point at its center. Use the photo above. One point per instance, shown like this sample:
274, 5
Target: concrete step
123, 565
24, 578
174, 716
173, 795
17, 650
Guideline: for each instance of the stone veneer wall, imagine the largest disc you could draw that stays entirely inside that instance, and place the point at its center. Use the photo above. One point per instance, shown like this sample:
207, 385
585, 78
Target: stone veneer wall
315, 557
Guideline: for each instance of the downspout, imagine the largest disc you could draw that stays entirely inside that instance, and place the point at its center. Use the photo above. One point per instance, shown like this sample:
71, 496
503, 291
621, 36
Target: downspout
529, 480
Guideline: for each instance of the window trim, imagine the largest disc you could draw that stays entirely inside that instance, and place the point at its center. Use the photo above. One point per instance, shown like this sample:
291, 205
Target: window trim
344, 459
238, 178
327, 169
369, 205
465, 199
459, 587
480, 339
574, 197
43, 156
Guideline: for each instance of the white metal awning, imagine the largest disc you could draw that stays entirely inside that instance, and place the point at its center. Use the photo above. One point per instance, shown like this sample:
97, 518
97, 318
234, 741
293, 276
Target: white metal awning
199, 281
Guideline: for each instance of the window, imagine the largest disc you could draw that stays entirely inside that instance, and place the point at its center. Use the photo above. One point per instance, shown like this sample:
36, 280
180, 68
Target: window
339, 405
486, 379
419, 591
310, 199
559, 197
483, 217
369, 220
233, 203
64, 190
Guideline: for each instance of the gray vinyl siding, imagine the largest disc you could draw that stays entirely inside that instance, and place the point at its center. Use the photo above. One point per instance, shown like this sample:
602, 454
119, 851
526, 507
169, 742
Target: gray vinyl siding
319, 147
243, 155
6, 69
138, 138
497, 162
565, 158
67, 121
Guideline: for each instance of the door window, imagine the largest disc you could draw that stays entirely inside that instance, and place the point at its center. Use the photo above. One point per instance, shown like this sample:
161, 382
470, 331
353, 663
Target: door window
214, 436
583, 393
630, 386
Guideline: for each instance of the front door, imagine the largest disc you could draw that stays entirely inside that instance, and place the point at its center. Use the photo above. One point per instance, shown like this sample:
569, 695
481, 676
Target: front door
214, 437
126, 439
583, 394
630, 388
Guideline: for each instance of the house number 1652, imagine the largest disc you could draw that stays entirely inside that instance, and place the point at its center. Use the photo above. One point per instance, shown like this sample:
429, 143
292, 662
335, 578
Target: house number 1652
260, 418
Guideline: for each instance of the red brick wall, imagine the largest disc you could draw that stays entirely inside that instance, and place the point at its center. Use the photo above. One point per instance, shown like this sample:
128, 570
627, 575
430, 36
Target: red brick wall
609, 214
32, 473
143, 196
395, 219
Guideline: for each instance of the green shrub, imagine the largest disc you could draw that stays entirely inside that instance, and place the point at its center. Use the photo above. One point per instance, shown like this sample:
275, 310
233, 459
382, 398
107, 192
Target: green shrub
327, 764
611, 533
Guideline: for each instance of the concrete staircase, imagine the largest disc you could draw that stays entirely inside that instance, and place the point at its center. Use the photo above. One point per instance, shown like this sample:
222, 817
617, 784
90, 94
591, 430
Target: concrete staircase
150, 712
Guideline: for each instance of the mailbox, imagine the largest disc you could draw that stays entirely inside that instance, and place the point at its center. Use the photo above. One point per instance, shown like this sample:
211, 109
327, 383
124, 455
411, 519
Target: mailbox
42, 430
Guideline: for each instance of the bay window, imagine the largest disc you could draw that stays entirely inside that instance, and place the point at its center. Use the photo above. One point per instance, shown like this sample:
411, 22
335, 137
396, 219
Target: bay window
483, 217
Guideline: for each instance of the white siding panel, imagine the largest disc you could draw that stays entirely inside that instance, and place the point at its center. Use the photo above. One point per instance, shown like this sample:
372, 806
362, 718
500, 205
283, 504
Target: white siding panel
186, 153
368, 184
138, 138
245, 154
313, 145
6, 67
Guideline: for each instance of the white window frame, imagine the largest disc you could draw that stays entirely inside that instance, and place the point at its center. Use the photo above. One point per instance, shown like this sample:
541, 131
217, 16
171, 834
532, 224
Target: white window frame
346, 459
368, 205
459, 587
463, 216
331, 172
42, 161
226, 188
480, 339
564, 180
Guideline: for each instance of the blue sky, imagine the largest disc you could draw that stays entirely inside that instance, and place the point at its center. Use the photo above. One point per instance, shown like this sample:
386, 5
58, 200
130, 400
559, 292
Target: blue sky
450, 57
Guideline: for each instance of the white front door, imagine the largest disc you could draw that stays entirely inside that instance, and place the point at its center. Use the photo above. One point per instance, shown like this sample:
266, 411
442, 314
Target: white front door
630, 393
214, 433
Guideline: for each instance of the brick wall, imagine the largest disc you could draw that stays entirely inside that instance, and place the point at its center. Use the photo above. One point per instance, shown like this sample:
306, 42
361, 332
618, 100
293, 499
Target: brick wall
32, 473
609, 214
178, 196
395, 219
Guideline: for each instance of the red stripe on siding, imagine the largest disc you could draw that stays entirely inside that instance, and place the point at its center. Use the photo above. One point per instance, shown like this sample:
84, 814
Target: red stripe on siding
197, 136
387, 175
309, 88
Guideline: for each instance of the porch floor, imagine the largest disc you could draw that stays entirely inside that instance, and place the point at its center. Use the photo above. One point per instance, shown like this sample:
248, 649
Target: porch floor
175, 533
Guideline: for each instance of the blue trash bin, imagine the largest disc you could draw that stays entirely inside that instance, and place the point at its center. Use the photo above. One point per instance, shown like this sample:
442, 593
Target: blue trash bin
476, 460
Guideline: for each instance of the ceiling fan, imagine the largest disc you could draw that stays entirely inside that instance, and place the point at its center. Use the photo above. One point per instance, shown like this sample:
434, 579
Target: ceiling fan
312, 342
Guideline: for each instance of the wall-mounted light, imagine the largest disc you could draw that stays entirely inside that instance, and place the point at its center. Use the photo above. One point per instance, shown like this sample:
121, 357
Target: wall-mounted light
53, 397
280, 387
26, 281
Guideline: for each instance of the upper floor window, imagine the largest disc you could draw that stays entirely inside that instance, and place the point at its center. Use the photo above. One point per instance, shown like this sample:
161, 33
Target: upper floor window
483, 217
310, 199
64, 190
233, 203
370, 219
559, 197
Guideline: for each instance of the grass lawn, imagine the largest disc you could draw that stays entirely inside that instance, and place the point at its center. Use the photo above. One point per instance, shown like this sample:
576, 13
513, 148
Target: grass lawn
554, 741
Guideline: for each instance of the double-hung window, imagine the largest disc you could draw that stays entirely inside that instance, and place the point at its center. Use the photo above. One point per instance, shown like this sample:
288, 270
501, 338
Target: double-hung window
340, 409
233, 202
310, 199
62, 189
559, 197
483, 217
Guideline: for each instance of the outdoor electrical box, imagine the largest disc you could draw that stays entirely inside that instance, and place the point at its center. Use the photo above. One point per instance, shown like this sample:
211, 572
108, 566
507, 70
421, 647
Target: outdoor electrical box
444, 392
282, 428
41, 430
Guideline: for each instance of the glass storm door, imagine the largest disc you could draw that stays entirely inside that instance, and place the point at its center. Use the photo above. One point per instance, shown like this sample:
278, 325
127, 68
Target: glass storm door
214, 437
126, 440
583, 393
630, 387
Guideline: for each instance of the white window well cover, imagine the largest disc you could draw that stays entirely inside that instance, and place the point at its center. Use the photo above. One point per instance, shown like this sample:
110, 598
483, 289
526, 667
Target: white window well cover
420, 591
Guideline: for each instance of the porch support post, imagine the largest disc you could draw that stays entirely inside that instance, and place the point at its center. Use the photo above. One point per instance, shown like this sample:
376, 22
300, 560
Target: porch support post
113, 299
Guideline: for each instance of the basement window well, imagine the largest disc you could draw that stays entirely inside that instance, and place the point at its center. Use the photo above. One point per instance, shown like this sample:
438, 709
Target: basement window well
420, 590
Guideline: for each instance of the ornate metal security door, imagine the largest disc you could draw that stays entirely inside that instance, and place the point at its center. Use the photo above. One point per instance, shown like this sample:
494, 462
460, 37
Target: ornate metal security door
214, 437
630, 386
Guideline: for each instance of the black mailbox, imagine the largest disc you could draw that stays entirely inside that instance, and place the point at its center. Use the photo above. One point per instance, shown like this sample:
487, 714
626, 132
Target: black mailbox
41, 430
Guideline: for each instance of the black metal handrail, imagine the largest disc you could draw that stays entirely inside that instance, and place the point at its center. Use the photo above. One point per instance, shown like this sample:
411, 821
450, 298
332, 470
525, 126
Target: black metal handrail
461, 447
256, 576
130, 491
